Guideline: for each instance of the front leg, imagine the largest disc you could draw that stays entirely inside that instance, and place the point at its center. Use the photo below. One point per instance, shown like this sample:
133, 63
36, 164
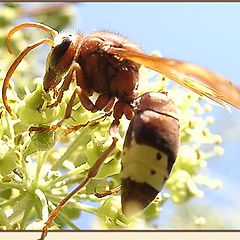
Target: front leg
102, 102
75, 69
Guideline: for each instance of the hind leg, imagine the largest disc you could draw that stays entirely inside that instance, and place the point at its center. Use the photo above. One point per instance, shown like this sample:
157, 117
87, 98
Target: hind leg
92, 172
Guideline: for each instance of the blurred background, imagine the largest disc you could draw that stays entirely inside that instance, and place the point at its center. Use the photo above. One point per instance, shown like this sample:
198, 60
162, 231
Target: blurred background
206, 34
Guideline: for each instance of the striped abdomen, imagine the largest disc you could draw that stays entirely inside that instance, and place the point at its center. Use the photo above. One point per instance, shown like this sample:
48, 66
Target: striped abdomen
150, 150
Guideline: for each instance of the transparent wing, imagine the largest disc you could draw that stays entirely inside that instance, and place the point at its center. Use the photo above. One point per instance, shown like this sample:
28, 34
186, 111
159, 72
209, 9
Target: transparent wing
196, 78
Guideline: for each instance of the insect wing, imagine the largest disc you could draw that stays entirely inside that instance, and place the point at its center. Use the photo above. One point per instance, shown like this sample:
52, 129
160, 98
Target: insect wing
196, 78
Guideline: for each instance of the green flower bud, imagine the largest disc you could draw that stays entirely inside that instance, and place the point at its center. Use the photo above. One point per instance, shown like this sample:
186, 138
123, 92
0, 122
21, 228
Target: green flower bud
110, 214
28, 111
3, 219
111, 165
79, 115
110, 168
187, 160
152, 211
71, 210
6, 193
8, 162
40, 141
182, 187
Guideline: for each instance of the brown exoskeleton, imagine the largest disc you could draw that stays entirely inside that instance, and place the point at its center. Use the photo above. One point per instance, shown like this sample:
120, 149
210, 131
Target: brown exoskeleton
108, 64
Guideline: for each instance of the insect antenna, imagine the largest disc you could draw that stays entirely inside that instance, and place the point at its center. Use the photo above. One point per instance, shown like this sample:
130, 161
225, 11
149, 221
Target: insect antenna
23, 53
27, 25
14, 66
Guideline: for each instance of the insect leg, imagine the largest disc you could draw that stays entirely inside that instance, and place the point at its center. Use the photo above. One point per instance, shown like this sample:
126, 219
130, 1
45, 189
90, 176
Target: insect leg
109, 192
75, 69
110, 105
65, 86
91, 122
122, 108
86, 102
102, 102
66, 115
92, 172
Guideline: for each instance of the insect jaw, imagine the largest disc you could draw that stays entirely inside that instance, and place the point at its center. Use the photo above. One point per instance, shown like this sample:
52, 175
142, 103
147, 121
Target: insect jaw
50, 81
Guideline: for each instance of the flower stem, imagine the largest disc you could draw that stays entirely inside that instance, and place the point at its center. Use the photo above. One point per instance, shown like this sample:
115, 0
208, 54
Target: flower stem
71, 173
64, 218
12, 185
83, 139
12, 201
41, 157
27, 215
81, 206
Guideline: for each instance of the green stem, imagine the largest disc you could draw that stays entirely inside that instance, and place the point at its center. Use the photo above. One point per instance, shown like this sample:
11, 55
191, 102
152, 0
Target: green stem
12, 185
90, 197
82, 140
68, 222
38, 208
64, 218
71, 173
75, 180
24, 171
12, 201
41, 157
19, 207
44, 206
24, 164
27, 214
86, 208
81, 206
10, 127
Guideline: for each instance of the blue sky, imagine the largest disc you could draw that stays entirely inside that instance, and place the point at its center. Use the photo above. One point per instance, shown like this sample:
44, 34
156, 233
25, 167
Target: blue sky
203, 33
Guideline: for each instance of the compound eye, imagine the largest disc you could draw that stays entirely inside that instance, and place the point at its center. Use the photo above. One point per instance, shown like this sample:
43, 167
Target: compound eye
59, 50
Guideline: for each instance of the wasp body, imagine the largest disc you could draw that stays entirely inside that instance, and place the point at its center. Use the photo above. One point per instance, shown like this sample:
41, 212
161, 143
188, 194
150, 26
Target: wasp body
95, 70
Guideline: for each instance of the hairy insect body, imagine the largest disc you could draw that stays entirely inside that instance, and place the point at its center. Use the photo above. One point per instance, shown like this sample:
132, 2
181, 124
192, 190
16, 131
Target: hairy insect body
150, 150
95, 69
105, 73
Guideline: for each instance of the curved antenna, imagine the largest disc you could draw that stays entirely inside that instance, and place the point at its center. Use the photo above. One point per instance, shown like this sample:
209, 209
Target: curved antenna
27, 25
14, 66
